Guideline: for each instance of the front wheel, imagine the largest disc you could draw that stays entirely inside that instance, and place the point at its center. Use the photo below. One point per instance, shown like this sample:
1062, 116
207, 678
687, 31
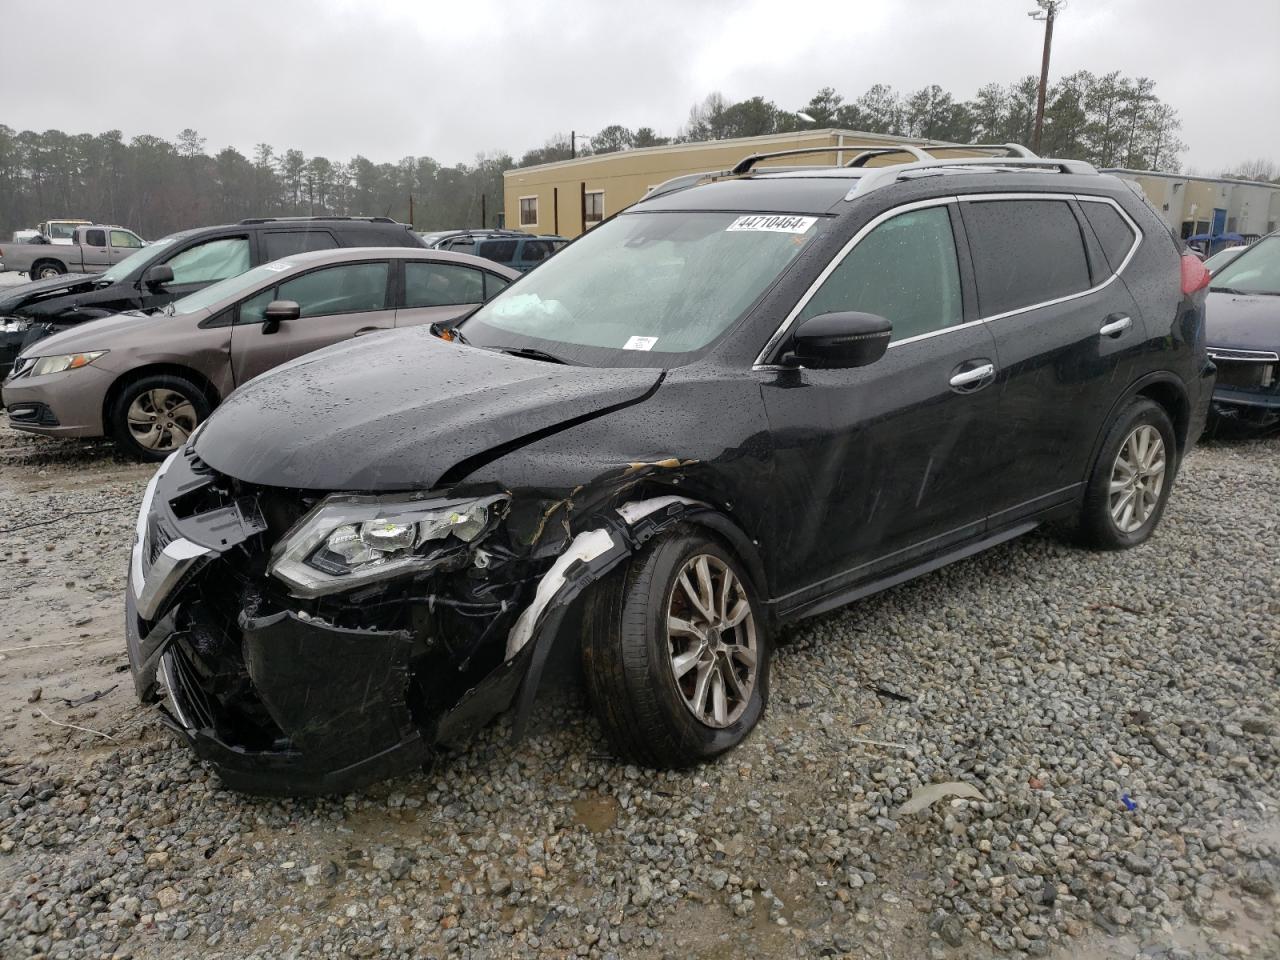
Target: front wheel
154, 415
1130, 484
676, 652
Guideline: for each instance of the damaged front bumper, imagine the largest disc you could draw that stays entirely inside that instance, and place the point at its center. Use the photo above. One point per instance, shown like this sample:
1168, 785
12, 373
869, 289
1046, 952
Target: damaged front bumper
289, 696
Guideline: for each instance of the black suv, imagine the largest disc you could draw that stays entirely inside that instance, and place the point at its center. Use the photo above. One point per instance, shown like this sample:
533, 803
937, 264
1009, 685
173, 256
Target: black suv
519, 251
747, 399
181, 263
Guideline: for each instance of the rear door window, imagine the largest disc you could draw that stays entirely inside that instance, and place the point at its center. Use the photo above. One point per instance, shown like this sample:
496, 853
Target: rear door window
1114, 234
502, 251
1025, 252
285, 243
95, 238
211, 260
441, 284
904, 270
535, 251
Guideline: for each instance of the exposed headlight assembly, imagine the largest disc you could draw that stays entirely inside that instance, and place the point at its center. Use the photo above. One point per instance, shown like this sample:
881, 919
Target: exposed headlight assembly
14, 324
347, 541
67, 361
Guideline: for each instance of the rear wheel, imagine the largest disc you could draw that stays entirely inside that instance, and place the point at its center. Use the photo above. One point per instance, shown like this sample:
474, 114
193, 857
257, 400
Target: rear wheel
44, 269
154, 415
1130, 484
676, 652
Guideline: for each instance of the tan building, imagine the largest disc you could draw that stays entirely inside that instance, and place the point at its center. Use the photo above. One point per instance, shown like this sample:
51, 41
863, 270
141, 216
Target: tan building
1195, 205
561, 197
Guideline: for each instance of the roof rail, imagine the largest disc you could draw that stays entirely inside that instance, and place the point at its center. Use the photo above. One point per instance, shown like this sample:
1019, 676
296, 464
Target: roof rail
251, 220
862, 158
746, 163
881, 176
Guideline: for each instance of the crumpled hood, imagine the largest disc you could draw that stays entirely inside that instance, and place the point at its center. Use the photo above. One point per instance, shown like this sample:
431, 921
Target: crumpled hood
396, 411
13, 298
1242, 321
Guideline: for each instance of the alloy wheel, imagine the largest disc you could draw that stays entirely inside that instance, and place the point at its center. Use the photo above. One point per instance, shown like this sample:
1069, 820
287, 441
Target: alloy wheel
1137, 478
161, 419
711, 637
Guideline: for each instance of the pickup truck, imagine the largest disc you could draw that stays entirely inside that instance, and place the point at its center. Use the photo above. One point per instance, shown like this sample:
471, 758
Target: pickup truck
61, 231
92, 250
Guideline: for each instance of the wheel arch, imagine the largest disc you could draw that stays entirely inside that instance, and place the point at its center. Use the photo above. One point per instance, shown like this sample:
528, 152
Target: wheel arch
123, 381
43, 260
1163, 388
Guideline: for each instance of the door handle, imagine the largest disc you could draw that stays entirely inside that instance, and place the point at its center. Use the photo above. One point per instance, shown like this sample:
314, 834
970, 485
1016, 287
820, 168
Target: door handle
363, 330
1116, 324
967, 378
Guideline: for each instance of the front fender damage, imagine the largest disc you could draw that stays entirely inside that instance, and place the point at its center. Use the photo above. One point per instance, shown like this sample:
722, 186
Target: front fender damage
284, 694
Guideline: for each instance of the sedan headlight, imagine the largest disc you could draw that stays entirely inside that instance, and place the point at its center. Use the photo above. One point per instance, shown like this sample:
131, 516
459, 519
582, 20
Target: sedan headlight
347, 541
67, 361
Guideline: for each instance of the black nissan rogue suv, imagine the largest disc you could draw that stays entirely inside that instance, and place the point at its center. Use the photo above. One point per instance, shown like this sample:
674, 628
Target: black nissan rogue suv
750, 398
175, 266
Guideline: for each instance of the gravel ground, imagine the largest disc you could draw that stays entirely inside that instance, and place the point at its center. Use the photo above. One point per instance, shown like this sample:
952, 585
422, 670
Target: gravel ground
1117, 714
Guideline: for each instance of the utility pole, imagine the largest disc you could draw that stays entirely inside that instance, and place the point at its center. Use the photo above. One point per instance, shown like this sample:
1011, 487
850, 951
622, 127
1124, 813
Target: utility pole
1048, 10
573, 144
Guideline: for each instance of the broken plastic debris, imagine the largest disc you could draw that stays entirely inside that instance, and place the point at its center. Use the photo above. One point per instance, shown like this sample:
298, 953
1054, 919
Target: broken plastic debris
1129, 804
927, 796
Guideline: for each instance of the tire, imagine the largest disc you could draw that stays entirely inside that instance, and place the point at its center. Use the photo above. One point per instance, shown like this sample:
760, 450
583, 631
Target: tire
44, 269
628, 651
1126, 517
174, 404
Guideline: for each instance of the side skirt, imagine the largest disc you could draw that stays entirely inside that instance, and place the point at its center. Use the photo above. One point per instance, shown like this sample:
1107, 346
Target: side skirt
857, 592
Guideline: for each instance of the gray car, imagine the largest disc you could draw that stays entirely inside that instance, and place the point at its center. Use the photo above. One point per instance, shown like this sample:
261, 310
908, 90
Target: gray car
148, 381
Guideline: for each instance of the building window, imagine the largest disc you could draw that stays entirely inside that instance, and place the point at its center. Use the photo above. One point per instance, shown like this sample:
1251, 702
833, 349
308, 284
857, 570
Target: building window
528, 211
593, 211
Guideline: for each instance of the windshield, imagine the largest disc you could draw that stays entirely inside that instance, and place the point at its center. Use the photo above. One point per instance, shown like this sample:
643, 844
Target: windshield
1222, 258
63, 229
230, 287
644, 289
134, 260
1257, 270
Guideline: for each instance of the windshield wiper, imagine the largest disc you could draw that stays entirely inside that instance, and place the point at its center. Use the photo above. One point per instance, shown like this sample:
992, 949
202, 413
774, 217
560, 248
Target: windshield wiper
532, 353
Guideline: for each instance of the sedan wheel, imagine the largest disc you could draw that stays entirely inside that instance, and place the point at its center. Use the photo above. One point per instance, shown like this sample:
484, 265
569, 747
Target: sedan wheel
161, 419
711, 634
1137, 478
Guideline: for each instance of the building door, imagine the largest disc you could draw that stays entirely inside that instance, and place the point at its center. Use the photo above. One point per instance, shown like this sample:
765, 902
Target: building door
1219, 221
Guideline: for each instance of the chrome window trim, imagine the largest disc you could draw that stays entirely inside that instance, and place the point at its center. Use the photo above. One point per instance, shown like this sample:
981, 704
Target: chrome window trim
780, 333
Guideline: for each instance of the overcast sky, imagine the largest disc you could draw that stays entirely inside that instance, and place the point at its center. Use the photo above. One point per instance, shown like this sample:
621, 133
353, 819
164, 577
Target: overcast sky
452, 79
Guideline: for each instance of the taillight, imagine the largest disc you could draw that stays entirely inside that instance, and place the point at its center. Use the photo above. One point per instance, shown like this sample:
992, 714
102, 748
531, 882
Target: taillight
1194, 275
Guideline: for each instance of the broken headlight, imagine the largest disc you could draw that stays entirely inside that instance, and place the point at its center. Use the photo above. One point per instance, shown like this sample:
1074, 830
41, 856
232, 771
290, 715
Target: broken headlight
347, 541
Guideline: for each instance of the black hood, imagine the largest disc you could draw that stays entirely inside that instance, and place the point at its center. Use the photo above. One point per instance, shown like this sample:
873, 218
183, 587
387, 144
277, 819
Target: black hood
1242, 321
14, 298
397, 411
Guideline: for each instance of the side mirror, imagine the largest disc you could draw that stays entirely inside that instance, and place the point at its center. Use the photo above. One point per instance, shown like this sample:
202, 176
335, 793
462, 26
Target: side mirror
158, 275
838, 341
277, 312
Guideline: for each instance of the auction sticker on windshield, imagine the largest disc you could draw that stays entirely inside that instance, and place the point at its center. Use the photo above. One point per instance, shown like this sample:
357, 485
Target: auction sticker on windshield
773, 223
640, 343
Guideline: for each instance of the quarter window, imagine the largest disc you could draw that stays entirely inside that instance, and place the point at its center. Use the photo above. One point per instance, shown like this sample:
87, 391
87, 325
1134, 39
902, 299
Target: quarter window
904, 270
593, 211
536, 251
441, 285
214, 260
1114, 235
1024, 252
528, 211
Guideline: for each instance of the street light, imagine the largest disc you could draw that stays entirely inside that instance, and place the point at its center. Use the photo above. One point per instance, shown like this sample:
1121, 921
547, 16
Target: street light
1048, 10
